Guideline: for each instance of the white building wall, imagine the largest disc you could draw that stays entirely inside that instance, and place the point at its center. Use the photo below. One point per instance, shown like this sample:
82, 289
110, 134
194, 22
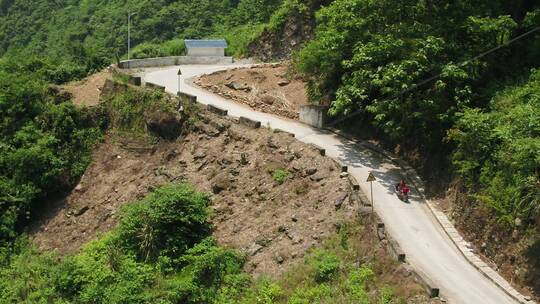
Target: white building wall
210, 51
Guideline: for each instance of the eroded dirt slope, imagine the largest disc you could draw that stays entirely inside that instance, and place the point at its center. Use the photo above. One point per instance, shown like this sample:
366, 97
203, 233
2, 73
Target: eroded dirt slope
86, 92
274, 223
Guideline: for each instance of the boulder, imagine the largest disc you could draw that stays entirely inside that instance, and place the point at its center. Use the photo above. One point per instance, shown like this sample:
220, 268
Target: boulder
340, 199
254, 249
238, 86
316, 178
284, 82
311, 171
80, 211
164, 124
268, 99
221, 182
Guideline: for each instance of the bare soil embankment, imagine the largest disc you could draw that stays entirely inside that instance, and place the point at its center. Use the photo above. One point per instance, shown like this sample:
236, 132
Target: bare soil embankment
274, 222
86, 92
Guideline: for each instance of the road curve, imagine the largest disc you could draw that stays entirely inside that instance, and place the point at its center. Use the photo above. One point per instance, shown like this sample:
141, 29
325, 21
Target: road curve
428, 248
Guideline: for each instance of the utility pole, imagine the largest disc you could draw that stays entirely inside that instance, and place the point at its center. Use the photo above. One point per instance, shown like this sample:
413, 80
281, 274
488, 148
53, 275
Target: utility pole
129, 36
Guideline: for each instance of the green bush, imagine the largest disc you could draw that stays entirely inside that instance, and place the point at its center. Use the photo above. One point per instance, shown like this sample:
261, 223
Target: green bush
45, 144
147, 50
497, 151
280, 175
120, 267
168, 222
238, 38
127, 111
321, 293
325, 264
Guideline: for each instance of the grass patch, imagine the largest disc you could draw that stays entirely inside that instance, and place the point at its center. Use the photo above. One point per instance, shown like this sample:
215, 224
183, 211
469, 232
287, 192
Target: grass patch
127, 110
280, 175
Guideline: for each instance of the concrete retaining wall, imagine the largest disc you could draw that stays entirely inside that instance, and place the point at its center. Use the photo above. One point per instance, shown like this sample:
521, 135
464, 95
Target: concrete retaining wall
175, 60
313, 115
249, 122
154, 86
134, 80
188, 98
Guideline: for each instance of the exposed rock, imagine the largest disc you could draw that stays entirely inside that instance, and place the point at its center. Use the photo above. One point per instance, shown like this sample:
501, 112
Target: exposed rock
166, 125
254, 249
80, 211
199, 155
244, 159
296, 29
339, 201
272, 144
316, 178
210, 131
284, 82
238, 86
269, 99
221, 182
79, 188
263, 240
311, 171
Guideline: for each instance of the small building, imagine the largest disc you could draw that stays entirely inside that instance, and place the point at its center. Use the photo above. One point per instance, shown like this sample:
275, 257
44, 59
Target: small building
206, 47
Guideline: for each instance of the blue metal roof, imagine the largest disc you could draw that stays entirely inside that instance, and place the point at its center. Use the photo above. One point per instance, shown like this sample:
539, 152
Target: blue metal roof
221, 43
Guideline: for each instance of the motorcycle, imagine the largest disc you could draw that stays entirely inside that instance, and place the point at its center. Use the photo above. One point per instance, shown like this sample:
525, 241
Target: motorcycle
403, 196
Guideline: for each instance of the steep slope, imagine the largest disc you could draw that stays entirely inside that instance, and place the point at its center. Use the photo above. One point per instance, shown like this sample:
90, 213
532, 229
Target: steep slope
279, 201
288, 30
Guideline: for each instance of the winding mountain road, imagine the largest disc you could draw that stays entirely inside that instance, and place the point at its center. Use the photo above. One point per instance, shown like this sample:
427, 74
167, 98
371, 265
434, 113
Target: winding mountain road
429, 250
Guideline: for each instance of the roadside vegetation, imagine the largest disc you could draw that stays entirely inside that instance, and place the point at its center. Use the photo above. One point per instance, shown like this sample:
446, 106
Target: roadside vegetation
481, 112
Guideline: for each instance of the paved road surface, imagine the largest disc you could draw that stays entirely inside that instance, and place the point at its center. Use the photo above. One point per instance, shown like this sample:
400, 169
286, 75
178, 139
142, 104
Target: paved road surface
427, 247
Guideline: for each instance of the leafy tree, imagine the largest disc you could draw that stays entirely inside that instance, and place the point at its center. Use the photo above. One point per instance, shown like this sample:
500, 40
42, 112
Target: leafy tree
500, 148
369, 56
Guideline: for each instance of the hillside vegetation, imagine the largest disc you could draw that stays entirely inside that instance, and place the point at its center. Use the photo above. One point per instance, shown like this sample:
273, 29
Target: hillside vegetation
371, 58
476, 115
77, 37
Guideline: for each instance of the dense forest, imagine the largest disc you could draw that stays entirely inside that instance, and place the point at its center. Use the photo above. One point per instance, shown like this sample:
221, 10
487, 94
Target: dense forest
371, 58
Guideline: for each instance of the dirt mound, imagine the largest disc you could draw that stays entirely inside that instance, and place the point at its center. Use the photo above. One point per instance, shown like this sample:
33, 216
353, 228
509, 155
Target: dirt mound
274, 197
269, 88
87, 91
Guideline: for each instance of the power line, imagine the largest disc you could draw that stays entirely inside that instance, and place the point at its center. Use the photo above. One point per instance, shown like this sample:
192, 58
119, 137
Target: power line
423, 82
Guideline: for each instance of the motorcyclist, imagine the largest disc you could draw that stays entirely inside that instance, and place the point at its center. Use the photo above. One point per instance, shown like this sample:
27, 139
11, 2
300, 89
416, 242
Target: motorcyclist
405, 191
